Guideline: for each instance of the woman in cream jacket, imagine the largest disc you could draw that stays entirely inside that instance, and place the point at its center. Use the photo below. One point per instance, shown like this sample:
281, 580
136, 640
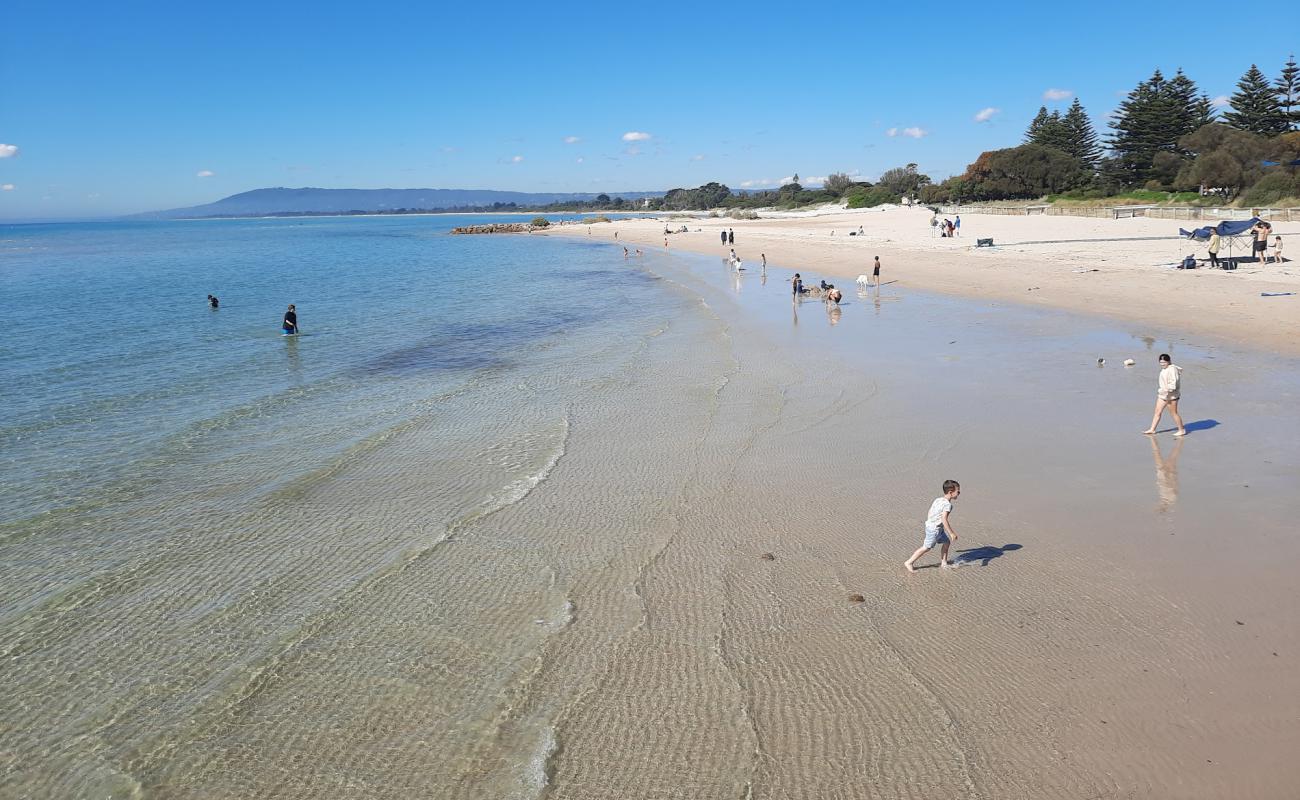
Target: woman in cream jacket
1170, 389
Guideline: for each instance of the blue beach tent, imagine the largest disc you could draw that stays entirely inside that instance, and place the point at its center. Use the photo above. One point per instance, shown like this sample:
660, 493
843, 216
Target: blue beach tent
1225, 228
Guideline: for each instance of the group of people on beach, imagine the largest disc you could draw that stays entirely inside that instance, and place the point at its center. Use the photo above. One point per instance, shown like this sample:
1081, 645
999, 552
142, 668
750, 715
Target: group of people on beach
946, 229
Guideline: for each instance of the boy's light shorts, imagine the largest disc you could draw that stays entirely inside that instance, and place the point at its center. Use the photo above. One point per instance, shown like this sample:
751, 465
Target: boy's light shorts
933, 537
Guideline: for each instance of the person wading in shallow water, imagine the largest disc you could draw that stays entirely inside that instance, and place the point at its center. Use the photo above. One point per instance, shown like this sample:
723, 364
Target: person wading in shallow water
290, 325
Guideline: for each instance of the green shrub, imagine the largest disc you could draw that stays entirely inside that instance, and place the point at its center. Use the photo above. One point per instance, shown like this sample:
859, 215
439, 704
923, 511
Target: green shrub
1272, 188
541, 222
870, 198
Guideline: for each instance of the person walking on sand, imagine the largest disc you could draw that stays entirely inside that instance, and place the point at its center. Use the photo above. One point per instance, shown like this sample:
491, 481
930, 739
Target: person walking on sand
731, 236
1167, 394
290, 325
1215, 244
724, 238
938, 527
1277, 249
956, 225
875, 272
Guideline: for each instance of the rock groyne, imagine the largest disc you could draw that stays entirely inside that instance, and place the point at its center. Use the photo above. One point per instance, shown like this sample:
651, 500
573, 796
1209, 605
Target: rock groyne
496, 227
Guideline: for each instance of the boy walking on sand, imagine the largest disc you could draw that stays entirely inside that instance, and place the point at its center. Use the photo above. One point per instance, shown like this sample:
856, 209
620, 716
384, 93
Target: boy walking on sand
938, 527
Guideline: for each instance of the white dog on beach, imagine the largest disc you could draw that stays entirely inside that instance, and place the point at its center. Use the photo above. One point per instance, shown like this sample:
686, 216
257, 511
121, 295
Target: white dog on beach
864, 280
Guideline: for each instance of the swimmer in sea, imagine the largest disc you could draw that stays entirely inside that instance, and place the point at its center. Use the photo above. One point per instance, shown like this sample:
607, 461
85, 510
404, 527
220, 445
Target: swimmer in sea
290, 325
213, 302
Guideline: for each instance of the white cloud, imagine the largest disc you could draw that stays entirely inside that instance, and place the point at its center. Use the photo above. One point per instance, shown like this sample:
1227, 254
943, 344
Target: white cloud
6, 187
697, 158
1222, 101
633, 151
813, 180
517, 160
913, 132
756, 182
635, 136
1058, 94
986, 114
7, 150
892, 132
572, 139
204, 173
581, 159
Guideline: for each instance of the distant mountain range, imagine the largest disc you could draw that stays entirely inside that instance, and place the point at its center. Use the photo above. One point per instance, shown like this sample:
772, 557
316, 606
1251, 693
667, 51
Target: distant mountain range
261, 202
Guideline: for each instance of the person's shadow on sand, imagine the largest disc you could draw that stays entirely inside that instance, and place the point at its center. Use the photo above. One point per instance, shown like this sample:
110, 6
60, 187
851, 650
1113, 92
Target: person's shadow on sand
984, 554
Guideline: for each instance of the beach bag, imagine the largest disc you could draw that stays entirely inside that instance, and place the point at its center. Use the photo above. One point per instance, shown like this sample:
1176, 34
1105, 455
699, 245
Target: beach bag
1189, 263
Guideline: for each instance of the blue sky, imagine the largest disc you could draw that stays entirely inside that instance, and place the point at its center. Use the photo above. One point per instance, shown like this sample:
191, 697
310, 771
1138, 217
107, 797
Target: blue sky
137, 106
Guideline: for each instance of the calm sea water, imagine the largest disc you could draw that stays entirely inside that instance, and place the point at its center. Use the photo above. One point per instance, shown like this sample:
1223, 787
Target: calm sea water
118, 379
189, 498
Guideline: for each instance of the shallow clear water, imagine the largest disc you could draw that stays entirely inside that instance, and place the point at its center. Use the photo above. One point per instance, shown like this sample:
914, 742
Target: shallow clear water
118, 378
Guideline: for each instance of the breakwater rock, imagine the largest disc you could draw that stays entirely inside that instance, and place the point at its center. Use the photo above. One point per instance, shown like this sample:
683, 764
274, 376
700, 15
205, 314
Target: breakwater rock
496, 227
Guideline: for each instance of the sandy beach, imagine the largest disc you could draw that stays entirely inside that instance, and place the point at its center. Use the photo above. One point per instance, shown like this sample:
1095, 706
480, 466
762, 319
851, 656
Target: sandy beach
1119, 268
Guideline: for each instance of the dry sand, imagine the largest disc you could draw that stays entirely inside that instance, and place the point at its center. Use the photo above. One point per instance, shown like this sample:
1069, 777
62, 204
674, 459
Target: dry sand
1039, 260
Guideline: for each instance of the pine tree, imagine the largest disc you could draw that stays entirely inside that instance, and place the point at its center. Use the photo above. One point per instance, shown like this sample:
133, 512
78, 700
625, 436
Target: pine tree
1204, 112
1255, 106
1185, 105
1143, 126
1036, 126
1288, 94
1081, 139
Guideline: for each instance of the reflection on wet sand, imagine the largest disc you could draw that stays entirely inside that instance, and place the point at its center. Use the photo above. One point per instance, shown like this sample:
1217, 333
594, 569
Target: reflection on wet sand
1167, 473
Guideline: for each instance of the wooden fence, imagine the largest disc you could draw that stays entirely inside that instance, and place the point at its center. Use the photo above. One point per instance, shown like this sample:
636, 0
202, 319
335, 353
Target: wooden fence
1190, 213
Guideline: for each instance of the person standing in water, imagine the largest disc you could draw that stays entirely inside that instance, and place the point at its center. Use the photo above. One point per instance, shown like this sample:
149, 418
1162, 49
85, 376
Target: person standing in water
290, 325
213, 302
875, 272
1167, 395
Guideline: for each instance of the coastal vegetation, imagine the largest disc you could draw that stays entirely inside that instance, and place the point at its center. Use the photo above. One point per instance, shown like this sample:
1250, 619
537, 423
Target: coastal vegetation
1166, 144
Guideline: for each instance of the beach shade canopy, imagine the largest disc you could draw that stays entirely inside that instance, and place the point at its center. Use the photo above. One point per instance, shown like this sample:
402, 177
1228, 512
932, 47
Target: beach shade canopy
1225, 228
1295, 163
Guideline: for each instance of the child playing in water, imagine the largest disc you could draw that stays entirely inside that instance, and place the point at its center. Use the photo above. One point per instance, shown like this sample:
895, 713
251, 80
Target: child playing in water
938, 527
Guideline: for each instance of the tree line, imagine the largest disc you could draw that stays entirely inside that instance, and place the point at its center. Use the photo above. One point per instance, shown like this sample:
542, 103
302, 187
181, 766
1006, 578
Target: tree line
1166, 136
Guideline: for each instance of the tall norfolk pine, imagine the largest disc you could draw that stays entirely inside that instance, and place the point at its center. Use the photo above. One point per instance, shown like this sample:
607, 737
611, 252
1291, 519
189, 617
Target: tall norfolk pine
1287, 87
1150, 121
1256, 107
1072, 134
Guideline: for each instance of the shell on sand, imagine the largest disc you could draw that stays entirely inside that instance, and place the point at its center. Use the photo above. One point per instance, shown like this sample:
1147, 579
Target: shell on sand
768, 557
857, 598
